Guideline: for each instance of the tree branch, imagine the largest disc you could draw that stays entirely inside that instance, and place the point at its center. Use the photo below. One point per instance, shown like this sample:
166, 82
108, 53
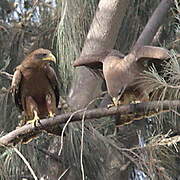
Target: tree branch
137, 111
153, 24
6, 75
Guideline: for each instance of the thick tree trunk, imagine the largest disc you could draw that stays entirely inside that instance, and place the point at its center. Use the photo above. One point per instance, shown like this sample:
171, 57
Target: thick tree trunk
102, 34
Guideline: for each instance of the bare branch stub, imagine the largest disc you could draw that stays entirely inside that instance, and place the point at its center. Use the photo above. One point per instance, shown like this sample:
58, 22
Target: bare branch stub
6, 75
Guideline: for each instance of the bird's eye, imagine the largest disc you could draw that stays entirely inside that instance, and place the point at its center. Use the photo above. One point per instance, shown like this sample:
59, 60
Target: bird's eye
44, 54
40, 56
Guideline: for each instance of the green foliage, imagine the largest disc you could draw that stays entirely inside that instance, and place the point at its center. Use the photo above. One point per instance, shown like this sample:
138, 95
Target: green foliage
74, 19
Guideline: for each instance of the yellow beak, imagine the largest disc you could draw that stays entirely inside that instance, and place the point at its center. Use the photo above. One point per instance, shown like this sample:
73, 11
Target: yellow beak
50, 57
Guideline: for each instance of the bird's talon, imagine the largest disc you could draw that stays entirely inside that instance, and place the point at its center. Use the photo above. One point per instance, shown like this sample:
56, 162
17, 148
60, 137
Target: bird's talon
115, 103
110, 105
135, 102
51, 115
34, 121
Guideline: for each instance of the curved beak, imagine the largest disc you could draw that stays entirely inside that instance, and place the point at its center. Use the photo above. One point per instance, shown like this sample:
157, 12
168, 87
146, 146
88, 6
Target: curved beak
50, 57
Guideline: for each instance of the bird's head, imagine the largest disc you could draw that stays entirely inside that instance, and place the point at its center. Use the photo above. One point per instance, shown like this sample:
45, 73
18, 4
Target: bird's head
43, 55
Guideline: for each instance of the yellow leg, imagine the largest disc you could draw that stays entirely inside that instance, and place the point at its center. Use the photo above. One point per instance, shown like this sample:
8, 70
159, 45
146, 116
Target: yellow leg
116, 102
51, 114
110, 105
34, 120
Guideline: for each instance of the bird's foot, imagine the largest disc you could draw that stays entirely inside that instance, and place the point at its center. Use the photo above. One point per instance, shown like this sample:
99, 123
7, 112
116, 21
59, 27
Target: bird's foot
115, 103
135, 102
35, 120
51, 114
110, 105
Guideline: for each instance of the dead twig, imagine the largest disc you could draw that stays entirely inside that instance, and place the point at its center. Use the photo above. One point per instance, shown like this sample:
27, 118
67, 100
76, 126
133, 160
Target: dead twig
26, 162
6, 75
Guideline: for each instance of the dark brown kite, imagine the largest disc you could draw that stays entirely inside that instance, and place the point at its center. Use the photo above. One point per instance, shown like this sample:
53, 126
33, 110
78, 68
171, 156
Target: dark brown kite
35, 86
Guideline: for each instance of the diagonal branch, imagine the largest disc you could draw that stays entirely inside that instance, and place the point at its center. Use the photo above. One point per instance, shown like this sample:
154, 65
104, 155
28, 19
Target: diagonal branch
154, 23
6, 75
137, 111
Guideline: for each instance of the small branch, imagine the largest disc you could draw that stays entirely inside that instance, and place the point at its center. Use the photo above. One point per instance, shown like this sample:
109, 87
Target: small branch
167, 141
135, 110
154, 23
26, 163
162, 141
6, 75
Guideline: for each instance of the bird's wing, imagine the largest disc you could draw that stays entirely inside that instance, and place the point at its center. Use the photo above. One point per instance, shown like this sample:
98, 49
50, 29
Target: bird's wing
152, 52
51, 75
95, 60
15, 87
